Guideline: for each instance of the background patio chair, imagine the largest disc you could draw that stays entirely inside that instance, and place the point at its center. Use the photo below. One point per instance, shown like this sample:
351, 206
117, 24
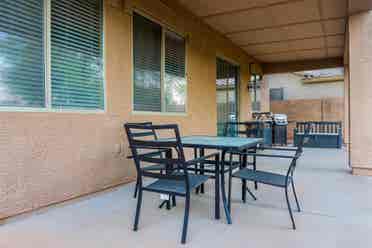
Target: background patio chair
245, 130
176, 181
273, 179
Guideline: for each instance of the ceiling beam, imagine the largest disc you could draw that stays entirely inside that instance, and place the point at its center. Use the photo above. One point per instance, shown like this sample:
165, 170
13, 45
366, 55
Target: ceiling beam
296, 50
284, 25
289, 40
236, 11
295, 66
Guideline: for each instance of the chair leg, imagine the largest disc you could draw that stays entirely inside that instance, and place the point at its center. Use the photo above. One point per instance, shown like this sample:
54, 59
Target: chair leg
174, 201
229, 192
202, 171
290, 209
251, 193
255, 168
168, 203
196, 169
295, 195
138, 210
136, 189
185, 219
243, 164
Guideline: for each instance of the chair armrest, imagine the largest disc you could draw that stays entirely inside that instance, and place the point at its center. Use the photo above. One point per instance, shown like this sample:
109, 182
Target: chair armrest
201, 159
150, 154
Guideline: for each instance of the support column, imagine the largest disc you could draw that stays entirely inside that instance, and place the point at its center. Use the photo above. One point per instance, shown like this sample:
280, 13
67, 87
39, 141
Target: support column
360, 104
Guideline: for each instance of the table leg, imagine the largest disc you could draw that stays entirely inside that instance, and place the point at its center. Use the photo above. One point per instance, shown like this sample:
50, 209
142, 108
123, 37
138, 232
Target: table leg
217, 187
254, 168
196, 168
223, 191
202, 153
244, 182
230, 182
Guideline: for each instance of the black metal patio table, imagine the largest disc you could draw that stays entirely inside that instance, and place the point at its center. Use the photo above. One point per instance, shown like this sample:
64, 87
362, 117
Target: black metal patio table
223, 144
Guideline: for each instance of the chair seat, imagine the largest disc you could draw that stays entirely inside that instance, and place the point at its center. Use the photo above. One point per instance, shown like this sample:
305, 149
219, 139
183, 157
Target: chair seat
262, 177
176, 186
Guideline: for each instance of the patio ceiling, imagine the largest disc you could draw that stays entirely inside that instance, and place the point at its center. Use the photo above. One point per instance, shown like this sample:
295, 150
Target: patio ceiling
280, 30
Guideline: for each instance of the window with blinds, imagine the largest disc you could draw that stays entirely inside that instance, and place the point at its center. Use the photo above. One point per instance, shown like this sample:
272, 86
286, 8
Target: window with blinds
22, 69
68, 69
76, 54
147, 37
174, 77
159, 68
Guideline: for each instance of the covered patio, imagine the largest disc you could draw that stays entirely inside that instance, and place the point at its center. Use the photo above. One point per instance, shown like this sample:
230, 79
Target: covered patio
73, 72
336, 213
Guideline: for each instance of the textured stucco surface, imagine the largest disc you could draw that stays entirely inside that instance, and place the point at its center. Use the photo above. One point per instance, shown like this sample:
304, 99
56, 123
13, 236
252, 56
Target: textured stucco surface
50, 157
295, 89
360, 64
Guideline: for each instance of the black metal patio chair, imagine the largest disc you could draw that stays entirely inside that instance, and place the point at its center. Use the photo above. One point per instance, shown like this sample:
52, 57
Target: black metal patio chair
245, 130
273, 179
147, 134
177, 181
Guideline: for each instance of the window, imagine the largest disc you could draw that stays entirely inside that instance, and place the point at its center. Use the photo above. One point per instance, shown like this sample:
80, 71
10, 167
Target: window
76, 54
159, 59
51, 61
22, 54
174, 77
227, 84
276, 94
147, 64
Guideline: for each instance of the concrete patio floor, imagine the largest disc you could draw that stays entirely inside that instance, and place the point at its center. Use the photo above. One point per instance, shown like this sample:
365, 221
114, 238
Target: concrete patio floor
337, 212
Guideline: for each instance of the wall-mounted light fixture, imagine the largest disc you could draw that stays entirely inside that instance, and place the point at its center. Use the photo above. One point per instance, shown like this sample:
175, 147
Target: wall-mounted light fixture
255, 80
254, 85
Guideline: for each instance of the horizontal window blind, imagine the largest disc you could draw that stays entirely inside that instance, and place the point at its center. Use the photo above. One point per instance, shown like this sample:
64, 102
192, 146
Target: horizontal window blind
22, 72
175, 79
147, 42
76, 54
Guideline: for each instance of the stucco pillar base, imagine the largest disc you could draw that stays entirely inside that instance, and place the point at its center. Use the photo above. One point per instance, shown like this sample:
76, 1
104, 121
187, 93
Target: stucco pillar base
362, 171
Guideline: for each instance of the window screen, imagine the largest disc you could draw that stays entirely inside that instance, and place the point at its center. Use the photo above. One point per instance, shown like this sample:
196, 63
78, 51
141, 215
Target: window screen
22, 71
76, 54
147, 43
174, 78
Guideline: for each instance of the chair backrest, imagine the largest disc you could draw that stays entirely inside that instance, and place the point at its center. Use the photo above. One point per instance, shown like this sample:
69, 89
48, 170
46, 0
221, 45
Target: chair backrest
319, 126
248, 129
234, 129
147, 151
143, 133
303, 140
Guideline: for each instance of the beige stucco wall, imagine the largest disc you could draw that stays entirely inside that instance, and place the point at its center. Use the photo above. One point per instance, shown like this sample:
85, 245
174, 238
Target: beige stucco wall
51, 157
360, 64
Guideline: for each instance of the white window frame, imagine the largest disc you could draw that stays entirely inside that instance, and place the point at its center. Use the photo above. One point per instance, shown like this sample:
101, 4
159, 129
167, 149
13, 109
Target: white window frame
164, 28
47, 71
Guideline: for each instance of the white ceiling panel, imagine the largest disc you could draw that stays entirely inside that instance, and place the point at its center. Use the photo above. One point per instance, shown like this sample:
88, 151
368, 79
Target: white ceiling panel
246, 20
